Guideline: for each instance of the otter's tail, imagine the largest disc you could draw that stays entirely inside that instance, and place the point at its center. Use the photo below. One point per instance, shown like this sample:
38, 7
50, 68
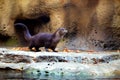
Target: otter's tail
27, 34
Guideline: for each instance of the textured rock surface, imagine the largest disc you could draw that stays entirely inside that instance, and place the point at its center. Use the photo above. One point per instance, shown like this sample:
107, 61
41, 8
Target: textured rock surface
62, 65
93, 24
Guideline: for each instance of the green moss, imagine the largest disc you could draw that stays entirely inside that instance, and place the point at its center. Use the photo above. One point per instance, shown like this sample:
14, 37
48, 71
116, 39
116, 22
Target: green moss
11, 42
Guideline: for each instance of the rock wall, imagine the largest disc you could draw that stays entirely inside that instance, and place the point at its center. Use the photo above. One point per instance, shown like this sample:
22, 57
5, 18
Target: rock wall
92, 24
25, 9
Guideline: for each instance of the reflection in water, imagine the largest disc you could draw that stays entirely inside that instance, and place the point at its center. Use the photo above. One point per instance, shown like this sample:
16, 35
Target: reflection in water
31, 74
59, 66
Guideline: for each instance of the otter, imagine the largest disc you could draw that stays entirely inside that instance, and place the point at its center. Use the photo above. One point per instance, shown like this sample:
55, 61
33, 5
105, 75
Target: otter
47, 40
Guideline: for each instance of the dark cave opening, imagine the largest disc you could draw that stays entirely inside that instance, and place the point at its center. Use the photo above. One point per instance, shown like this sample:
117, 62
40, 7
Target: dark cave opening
3, 38
32, 25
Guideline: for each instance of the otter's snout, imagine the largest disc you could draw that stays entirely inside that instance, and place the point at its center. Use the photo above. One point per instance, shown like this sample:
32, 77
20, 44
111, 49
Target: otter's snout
65, 31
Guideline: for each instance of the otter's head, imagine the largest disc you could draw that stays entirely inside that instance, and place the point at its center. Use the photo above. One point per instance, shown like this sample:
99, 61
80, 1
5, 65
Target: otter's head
62, 31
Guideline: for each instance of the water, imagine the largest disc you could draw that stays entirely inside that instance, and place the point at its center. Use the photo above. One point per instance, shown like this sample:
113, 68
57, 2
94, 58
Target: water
9, 74
59, 66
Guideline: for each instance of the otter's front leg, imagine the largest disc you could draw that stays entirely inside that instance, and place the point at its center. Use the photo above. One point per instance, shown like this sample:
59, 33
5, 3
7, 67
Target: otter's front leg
53, 48
47, 49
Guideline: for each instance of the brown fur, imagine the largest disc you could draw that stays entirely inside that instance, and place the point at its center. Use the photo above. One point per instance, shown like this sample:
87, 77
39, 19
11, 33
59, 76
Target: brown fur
47, 40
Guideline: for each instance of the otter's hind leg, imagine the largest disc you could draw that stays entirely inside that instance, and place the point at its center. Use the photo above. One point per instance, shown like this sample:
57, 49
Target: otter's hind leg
31, 46
37, 48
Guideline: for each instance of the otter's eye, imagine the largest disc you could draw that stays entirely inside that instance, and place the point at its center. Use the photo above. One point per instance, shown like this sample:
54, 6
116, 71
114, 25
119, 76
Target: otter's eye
62, 29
